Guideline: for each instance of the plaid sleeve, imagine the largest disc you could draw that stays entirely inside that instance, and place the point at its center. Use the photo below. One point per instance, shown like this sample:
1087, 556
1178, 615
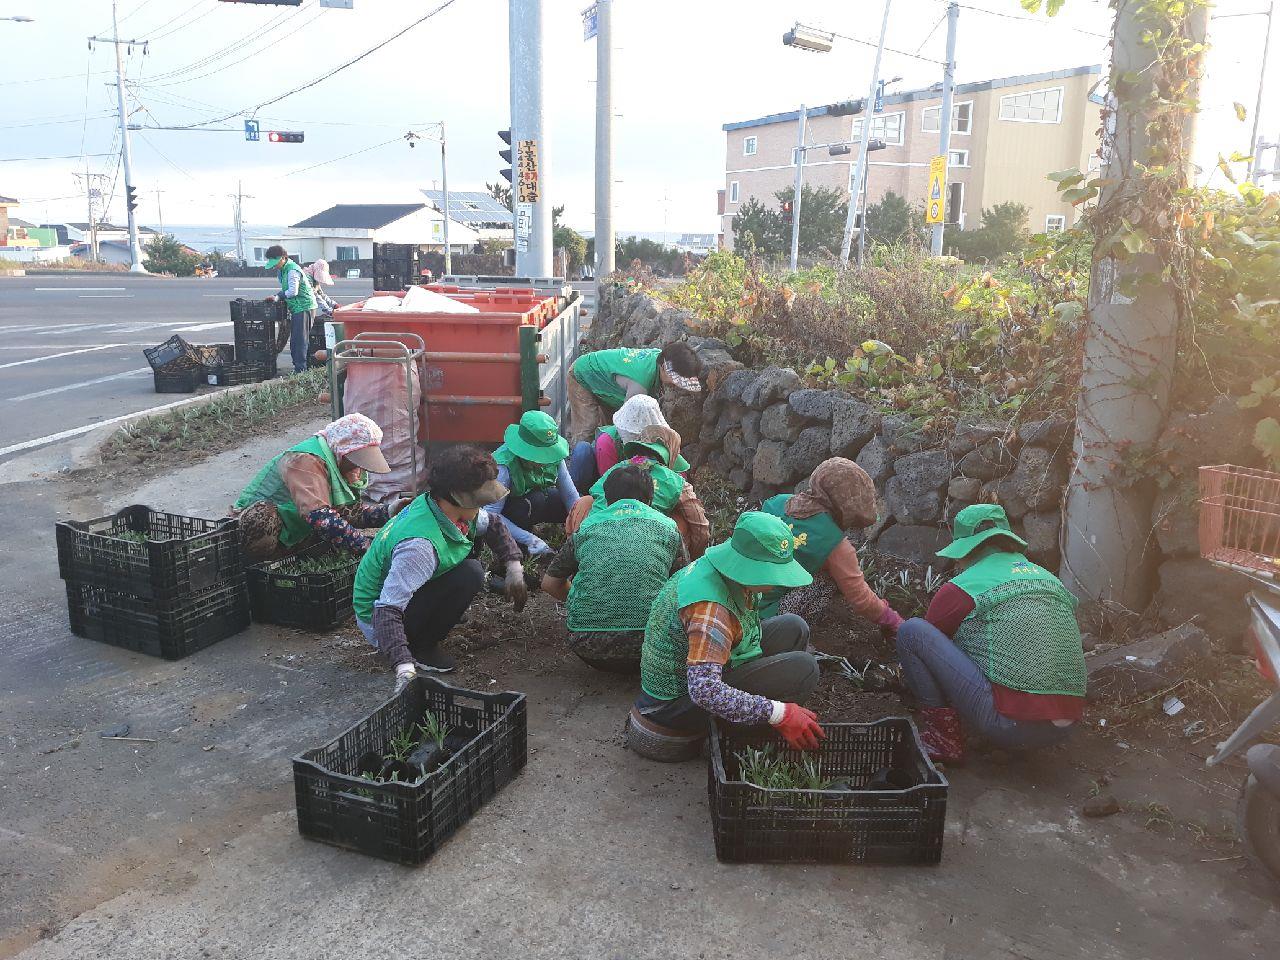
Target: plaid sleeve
712, 631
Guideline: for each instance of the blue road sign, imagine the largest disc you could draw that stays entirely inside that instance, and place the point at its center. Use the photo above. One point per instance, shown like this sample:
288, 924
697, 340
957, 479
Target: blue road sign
251, 129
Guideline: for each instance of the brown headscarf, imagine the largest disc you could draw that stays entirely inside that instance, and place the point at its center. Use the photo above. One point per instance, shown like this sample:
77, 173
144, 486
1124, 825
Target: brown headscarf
841, 488
665, 435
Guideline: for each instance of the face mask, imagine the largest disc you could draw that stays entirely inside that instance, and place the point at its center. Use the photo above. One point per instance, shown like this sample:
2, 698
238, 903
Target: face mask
359, 480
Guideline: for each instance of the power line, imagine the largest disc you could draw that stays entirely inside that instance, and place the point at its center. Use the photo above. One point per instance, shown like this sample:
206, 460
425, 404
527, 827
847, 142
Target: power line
70, 156
164, 157
868, 43
267, 45
61, 76
190, 9
346, 156
1035, 20
222, 52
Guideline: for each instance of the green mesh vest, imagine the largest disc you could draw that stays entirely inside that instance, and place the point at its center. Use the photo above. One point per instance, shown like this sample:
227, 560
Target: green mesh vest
625, 551
596, 372
306, 298
526, 477
422, 519
815, 537
664, 654
667, 484
1022, 632
269, 485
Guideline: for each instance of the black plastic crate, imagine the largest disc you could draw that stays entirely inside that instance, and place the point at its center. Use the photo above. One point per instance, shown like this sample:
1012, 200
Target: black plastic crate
174, 351
176, 378
234, 374
317, 601
215, 355
407, 822
260, 352
859, 825
255, 310
190, 554
316, 342
170, 628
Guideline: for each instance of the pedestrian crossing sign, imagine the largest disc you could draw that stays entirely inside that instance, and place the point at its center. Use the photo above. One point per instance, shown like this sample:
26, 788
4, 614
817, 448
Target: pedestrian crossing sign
936, 198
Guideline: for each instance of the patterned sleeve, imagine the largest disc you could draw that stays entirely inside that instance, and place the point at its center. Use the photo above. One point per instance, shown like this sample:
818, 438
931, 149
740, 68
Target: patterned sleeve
330, 526
709, 691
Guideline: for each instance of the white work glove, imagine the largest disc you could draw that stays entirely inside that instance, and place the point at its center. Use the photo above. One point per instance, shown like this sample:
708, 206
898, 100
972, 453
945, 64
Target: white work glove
538, 548
271, 299
396, 505
405, 672
514, 588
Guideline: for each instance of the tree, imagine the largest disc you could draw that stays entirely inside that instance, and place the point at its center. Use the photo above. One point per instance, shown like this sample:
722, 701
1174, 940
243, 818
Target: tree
1003, 231
894, 220
572, 243
757, 229
500, 192
822, 217
166, 255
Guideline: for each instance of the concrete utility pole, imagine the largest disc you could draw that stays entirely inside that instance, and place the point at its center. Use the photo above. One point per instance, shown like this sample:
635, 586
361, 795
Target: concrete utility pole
1255, 161
528, 142
444, 185
604, 238
944, 124
240, 196
798, 190
860, 167
1129, 354
135, 247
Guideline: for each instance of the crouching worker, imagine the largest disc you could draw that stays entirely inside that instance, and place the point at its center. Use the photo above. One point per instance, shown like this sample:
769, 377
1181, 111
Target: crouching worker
706, 652
311, 493
998, 651
841, 496
420, 575
532, 465
601, 382
590, 461
610, 570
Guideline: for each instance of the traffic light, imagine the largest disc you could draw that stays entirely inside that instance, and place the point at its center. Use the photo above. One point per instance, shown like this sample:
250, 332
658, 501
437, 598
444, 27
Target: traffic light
787, 212
505, 137
131, 198
285, 136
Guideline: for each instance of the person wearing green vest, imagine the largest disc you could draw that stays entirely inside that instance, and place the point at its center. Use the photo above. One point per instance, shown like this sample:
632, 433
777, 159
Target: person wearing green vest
420, 574
998, 651
658, 451
707, 653
533, 466
312, 491
589, 461
611, 568
839, 496
601, 381
300, 296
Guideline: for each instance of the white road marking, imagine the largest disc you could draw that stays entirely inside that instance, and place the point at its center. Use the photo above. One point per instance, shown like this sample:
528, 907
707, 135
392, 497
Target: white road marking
75, 386
106, 296
253, 289
203, 326
54, 356
73, 289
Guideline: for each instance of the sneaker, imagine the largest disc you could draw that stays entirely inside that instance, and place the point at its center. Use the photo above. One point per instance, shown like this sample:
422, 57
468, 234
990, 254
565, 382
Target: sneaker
435, 661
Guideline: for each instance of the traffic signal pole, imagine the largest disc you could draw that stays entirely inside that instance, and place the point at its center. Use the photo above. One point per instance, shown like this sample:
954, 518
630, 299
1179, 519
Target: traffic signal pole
126, 158
798, 190
860, 168
604, 239
528, 142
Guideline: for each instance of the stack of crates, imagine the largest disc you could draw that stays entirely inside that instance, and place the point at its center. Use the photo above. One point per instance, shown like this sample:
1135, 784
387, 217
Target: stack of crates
176, 366
255, 323
157, 583
396, 266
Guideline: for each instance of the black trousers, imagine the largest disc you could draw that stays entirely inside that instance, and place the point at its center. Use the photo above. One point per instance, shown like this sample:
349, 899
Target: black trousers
538, 506
439, 604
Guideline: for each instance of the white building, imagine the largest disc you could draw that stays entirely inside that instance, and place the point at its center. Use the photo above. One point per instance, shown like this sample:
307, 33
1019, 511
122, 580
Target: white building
348, 231
480, 211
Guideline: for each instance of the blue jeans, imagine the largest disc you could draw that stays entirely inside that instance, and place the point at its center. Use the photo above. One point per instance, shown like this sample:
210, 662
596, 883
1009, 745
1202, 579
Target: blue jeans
941, 675
299, 337
582, 466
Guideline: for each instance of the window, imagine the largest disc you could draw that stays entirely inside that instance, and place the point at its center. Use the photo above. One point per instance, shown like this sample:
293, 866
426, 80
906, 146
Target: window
749, 147
1055, 223
1034, 106
961, 118
955, 204
958, 158
886, 127
259, 254
346, 253
733, 191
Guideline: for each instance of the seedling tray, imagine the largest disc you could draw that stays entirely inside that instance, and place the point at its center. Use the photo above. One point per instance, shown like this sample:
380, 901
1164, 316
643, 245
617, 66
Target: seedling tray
317, 601
171, 628
181, 555
859, 825
407, 822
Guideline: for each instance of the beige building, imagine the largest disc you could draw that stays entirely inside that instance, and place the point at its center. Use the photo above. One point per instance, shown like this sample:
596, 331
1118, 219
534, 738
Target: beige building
1006, 136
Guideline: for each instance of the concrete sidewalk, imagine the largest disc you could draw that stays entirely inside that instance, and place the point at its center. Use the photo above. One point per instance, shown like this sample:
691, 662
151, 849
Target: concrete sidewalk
170, 850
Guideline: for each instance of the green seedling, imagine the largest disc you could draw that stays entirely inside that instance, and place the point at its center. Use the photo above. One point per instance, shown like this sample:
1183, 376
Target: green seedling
432, 729
325, 563
401, 746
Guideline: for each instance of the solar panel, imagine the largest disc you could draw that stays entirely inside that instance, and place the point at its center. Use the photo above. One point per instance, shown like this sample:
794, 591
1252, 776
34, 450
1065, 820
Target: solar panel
470, 206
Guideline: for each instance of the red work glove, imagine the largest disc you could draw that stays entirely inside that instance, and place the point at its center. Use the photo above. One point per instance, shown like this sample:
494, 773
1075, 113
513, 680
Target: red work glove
799, 727
889, 623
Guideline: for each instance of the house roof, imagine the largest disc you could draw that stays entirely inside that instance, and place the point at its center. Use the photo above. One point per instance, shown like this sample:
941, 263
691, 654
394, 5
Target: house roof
471, 207
360, 216
8, 200
15, 222
104, 227
925, 93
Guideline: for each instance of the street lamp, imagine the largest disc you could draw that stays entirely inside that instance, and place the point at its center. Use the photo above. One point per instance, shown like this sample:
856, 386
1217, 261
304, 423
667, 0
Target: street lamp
808, 38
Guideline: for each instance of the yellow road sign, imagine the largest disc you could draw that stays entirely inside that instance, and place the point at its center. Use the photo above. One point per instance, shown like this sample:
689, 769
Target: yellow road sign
936, 198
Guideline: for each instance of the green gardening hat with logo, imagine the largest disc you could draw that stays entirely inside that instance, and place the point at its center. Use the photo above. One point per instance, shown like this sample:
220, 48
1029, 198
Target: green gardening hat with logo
976, 525
761, 553
658, 450
536, 438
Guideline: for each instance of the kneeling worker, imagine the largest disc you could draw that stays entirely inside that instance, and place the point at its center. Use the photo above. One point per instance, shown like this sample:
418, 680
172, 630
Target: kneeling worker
610, 570
706, 651
419, 576
602, 381
533, 466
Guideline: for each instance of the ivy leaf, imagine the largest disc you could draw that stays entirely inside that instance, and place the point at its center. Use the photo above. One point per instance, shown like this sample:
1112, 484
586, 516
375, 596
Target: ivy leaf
1031, 6
1249, 401
1266, 437
1053, 6
1241, 112
1068, 311
1066, 177
1226, 168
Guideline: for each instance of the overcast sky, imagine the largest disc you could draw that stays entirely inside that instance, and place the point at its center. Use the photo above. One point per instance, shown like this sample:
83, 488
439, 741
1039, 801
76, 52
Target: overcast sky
681, 69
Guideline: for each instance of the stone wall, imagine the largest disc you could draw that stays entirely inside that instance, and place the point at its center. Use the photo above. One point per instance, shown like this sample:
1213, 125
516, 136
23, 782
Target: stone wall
765, 432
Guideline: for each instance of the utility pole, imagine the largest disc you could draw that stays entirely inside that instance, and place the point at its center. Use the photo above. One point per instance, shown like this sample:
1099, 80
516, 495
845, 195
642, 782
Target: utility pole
239, 197
798, 190
860, 168
444, 184
944, 125
159, 212
91, 194
126, 159
1255, 160
1130, 349
604, 239
531, 204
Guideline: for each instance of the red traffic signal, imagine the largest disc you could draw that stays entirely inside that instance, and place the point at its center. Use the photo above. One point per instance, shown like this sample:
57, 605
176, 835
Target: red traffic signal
786, 211
285, 136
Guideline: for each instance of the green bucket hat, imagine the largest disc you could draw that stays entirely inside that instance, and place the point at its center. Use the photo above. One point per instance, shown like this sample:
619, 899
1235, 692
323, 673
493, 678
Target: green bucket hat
976, 525
536, 438
658, 450
761, 553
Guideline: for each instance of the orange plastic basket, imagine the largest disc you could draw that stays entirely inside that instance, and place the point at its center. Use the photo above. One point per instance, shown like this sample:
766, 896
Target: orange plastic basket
1240, 517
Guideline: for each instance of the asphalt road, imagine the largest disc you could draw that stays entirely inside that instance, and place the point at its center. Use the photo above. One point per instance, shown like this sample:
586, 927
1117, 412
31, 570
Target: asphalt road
71, 347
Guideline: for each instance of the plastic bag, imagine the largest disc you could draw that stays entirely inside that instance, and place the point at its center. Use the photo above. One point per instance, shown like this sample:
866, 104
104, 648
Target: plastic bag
422, 300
